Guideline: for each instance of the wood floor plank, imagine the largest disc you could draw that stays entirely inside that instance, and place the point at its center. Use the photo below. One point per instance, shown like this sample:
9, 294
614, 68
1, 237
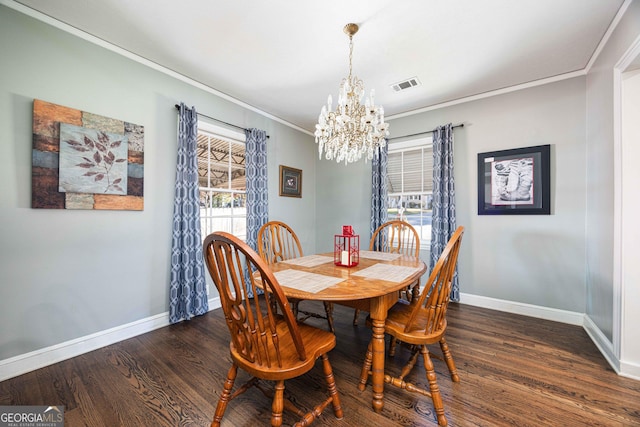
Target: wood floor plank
514, 371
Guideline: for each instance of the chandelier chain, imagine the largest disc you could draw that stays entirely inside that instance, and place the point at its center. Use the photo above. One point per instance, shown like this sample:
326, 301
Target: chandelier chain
350, 56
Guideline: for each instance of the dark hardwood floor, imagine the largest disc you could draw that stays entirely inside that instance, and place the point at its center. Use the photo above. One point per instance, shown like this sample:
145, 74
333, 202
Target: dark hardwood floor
514, 370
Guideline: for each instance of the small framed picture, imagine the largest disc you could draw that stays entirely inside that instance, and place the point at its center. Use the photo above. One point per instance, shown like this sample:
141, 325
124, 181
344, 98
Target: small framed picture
290, 182
514, 182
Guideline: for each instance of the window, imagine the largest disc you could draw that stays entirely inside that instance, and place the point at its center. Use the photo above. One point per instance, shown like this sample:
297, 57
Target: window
221, 175
410, 184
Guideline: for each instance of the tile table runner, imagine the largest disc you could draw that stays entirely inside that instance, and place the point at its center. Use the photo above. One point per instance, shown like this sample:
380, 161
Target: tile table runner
390, 273
305, 281
309, 260
381, 256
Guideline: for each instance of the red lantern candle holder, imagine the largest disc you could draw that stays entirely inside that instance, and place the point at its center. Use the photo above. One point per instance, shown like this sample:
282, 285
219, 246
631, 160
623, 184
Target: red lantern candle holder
346, 248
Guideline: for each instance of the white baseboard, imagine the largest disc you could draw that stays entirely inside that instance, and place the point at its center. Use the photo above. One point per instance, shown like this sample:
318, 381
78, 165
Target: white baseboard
630, 370
37, 359
23, 363
622, 368
602, 342
572, 318
563, 316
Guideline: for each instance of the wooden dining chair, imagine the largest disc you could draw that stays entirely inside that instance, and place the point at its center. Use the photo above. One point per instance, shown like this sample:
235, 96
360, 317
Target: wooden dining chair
422, 322
268, 346
396, 237
278, 242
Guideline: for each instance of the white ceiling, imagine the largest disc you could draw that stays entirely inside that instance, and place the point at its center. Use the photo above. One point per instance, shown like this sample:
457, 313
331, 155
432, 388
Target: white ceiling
285, 57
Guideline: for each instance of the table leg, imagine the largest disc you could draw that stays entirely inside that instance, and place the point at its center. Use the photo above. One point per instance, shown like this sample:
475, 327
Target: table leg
377, 367
378, 312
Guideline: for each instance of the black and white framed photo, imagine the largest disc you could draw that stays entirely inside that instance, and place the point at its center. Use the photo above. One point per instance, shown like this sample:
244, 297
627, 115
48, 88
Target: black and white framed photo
514, 182
290, 182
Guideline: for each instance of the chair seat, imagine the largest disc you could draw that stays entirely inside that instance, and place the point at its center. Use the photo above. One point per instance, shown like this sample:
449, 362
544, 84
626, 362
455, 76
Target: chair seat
398, 318
316, 342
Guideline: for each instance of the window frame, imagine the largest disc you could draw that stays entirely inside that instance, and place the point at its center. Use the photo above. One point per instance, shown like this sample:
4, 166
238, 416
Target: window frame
405, 146
234, 137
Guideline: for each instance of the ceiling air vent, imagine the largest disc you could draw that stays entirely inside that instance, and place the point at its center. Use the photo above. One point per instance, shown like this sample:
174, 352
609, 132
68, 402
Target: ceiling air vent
407, 84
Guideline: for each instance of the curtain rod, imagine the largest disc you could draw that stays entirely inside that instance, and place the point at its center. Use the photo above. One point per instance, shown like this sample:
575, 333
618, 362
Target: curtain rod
460, 125
220, 121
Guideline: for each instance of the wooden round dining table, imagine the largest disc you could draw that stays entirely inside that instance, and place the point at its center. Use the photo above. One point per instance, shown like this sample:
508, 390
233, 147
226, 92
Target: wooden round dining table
372, 285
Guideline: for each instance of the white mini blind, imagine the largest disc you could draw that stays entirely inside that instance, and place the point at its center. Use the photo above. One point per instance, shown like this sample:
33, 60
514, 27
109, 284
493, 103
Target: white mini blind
410, 170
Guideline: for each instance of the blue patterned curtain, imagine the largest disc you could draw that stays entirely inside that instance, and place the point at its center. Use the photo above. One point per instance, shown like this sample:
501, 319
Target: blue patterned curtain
257, 191
444, 204
188, 295
379, 189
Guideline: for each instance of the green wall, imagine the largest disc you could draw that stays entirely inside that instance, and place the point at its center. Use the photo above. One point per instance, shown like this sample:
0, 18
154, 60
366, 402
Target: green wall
64, 274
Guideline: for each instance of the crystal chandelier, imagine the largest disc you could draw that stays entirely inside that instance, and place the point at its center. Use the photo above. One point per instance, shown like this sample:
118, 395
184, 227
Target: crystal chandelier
352, 129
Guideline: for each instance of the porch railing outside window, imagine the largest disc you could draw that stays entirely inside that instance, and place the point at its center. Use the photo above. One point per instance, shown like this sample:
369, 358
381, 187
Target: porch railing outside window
222, 178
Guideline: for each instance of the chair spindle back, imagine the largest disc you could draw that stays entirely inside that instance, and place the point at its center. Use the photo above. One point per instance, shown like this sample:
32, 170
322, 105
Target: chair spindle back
434, 299
278, 242
396, 237
235, 269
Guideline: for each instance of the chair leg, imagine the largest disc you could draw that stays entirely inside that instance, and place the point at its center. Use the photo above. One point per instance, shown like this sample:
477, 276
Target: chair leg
328, 309
433, 386
274, 305
448, 358
392, 346
409, 366
225, 396
334, 398
278, 404
294, 307
407, 293
366, 367
356, 313
415, 292
331, 386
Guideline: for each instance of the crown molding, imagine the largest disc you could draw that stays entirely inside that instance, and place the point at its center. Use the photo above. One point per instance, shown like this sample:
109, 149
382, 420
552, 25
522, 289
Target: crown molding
490, 94
137, 58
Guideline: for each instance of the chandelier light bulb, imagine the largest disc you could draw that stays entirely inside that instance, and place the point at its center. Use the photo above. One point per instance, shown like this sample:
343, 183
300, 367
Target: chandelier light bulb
353, 129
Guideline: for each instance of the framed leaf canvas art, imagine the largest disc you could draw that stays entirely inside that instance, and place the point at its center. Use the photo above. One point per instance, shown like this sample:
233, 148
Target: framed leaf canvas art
82, 160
